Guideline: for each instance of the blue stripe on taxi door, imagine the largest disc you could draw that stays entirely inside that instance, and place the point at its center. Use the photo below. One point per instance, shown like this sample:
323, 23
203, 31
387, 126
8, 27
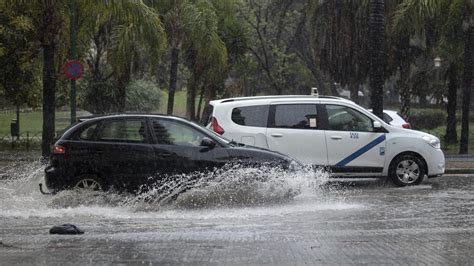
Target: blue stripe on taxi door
361, 151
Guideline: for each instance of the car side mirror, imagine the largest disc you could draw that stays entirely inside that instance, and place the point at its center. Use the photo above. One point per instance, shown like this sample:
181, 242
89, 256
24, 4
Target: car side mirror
207, 142
377, 125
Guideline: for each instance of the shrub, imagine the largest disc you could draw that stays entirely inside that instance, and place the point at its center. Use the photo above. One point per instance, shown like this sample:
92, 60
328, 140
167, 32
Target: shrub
427, 118
143, 96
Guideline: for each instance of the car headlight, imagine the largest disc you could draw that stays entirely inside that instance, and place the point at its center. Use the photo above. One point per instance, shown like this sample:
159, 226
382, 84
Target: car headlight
434, 142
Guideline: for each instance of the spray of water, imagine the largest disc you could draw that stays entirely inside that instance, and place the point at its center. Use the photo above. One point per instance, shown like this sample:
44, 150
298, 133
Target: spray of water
234, 187
231, 186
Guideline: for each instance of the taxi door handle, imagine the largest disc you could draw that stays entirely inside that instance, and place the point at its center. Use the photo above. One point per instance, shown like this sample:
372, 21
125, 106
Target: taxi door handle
336, 137
277, 135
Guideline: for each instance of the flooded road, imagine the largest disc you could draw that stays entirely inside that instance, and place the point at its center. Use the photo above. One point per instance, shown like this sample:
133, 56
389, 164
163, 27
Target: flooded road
281, 219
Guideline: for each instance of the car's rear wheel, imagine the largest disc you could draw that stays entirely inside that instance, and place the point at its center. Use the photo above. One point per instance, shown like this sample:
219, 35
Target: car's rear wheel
89, 182
406, 170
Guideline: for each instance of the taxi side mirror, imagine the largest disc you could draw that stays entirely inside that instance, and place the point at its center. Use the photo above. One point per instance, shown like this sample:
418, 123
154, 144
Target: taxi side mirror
377, 125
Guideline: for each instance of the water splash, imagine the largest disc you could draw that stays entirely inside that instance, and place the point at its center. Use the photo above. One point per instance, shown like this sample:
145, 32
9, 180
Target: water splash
230, 186
265, 190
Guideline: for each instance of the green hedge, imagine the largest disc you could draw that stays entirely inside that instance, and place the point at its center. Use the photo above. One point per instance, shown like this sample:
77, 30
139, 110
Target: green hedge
427, 118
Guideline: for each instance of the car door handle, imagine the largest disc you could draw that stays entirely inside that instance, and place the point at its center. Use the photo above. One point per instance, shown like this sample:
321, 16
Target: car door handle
336, 137
277, 135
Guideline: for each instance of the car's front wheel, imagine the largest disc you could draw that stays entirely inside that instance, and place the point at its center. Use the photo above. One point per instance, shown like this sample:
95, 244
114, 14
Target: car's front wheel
407, 170
89, 182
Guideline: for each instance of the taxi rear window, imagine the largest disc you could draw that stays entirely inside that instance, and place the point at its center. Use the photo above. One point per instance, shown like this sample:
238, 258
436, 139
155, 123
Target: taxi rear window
252, 116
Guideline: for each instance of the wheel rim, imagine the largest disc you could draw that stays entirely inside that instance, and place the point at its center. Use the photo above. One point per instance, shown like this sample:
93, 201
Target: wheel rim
89, 184
408, 171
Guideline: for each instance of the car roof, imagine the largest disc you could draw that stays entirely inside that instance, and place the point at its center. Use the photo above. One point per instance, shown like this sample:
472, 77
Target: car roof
269, 98
120, 115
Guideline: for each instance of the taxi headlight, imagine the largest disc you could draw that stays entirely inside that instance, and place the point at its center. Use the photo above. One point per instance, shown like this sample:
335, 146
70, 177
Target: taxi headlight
434, 142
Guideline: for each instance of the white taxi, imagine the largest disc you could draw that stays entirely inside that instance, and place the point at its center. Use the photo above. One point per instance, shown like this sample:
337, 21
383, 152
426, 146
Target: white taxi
329, 132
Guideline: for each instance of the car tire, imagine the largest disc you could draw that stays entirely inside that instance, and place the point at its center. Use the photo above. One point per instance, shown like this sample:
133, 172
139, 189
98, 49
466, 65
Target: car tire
90, 182
406, 170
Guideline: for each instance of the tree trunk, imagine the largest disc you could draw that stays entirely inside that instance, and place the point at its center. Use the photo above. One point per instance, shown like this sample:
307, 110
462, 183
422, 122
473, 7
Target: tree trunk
404, 90
173, 79
201, 97
190, 99
451, 134
377, 55
122, 81
466, 90
49, 89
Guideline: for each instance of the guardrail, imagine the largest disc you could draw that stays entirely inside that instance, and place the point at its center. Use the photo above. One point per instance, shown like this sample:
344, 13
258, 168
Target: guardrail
26, 141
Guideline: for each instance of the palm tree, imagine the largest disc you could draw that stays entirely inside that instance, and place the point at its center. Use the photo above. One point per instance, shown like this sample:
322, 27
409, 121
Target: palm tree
413, 20
377, 54
468, 74
48, 16
177, 17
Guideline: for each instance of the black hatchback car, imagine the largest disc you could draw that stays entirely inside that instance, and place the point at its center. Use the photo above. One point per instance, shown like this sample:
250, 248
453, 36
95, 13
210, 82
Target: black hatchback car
127, 151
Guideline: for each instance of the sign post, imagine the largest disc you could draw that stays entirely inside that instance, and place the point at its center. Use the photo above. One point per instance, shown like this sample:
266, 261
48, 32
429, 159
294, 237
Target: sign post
73, 70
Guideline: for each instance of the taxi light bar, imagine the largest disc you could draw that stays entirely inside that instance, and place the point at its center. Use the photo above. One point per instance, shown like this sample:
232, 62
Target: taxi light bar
58, 149
216, 127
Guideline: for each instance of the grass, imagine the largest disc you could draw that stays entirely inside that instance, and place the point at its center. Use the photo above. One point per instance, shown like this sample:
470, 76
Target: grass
179, 108
32, 122
453, 148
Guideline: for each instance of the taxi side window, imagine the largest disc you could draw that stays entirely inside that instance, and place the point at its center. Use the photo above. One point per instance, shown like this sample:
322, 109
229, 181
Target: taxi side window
343, 118
252, 116
297, 116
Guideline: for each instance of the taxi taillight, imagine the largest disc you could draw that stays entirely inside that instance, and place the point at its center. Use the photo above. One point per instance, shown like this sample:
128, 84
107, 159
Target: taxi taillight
216, 127
406, 125
58, 149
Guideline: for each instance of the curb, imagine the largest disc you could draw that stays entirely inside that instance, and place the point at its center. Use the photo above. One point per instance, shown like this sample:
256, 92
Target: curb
459, 171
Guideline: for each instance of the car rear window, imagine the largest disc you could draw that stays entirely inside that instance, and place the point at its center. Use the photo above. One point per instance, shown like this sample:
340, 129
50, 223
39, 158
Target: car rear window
88, 132
300, 116
123, 131
386, 118
252, 116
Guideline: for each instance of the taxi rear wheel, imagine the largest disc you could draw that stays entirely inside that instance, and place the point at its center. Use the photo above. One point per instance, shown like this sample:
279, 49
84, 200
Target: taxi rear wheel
407, 170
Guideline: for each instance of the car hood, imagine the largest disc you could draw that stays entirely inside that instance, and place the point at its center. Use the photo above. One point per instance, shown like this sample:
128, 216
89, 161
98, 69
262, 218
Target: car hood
259, 152
411, 132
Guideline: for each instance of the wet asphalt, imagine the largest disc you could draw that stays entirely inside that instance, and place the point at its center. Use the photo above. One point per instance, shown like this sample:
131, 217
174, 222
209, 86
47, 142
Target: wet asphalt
363, 222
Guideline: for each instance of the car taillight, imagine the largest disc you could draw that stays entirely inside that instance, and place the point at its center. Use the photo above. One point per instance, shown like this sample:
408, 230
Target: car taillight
58, 149
216, 127
406, 125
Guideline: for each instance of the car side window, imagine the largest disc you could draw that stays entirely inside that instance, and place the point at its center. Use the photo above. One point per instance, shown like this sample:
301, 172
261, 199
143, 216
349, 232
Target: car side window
252, 116
133, 131
298, 116
343, 118
174, 133
88, 132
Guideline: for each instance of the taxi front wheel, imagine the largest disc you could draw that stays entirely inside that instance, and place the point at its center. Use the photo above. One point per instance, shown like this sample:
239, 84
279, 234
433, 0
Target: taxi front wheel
407, 170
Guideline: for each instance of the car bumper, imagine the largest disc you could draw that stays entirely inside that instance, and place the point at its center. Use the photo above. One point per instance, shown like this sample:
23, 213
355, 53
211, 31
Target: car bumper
436, 163
54, 179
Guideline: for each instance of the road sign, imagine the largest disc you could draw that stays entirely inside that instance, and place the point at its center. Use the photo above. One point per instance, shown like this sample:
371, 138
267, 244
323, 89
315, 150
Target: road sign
74, 69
